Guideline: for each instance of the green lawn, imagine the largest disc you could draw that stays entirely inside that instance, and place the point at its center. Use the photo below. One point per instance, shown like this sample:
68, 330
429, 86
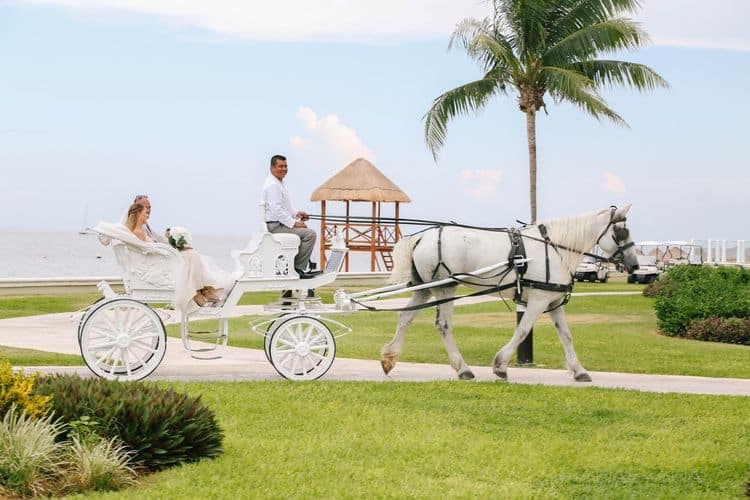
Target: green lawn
610, 333
457, 439
32, 357
13, 307
469, 440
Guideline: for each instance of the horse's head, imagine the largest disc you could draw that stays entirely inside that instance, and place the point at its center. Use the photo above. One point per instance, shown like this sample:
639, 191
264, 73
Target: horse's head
615, 240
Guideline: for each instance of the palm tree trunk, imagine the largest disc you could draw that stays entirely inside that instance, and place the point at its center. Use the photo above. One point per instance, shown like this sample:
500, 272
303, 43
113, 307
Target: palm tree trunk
531, 137
525, 350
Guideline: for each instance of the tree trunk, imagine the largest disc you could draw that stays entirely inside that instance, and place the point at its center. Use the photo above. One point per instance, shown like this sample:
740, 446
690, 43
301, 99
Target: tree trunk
531, 137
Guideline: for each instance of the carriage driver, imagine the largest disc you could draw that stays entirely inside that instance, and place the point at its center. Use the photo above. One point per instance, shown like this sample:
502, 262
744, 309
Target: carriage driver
281, 217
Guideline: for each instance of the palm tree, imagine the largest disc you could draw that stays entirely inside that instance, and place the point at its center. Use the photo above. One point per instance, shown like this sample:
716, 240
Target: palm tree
537, 47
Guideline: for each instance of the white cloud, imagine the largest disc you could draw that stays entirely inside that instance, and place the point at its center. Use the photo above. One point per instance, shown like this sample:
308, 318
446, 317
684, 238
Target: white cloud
330, 134
611, 182
297, 142
300, 20
718, 24
481, 184
690, 23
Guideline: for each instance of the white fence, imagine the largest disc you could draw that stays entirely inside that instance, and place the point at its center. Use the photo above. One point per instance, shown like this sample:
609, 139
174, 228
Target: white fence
727, 252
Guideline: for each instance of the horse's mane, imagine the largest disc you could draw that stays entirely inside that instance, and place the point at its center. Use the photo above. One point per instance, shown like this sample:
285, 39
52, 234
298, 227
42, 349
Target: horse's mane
578, 233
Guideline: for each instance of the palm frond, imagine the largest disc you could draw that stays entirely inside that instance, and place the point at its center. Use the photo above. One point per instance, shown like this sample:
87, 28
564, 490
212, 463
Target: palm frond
459, 101
572, 15
606, 73
526, 19
495, 52
607, 36
466, 32
578, 89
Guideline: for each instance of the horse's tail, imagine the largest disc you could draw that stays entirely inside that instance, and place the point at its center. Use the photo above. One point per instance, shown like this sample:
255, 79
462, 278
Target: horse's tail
402, 259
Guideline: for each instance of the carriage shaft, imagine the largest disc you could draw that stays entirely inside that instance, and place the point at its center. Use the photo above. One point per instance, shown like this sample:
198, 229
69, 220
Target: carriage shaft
432, 284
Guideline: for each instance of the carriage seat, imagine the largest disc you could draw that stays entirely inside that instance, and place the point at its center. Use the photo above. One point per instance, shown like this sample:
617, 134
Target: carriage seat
269, 256
149, 270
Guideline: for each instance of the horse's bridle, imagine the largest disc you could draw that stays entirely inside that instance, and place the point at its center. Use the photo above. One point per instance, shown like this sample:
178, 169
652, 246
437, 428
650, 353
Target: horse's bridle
620, 235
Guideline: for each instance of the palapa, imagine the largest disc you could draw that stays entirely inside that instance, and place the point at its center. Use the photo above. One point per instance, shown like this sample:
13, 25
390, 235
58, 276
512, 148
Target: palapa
360, 181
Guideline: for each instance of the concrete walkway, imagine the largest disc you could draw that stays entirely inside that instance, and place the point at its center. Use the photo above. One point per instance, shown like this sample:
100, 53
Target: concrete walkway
57, 333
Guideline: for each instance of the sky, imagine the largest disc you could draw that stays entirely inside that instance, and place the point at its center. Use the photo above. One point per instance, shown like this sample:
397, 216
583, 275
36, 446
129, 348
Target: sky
186, 101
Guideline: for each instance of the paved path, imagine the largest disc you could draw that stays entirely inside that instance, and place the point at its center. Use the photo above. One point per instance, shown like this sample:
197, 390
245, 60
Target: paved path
57, 333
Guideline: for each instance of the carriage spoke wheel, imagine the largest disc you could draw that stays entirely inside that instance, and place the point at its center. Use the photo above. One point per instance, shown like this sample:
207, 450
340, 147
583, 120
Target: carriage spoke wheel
123, 339
301, 348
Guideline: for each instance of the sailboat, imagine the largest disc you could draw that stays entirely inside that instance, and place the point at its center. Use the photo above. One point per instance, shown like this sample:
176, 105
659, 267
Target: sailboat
84, 229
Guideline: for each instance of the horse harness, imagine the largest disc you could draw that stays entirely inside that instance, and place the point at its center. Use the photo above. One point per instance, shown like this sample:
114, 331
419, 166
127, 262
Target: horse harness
519, 264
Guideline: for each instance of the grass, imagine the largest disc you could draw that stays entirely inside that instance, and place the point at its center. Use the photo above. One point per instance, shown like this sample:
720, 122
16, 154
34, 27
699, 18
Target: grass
33, 357
453, 439
611, 333
18, 306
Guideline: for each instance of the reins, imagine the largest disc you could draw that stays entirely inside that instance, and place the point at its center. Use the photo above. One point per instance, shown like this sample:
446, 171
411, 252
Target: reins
516, 257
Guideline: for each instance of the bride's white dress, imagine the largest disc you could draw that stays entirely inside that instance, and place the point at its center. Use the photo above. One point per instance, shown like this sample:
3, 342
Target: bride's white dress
197, 274
195, 271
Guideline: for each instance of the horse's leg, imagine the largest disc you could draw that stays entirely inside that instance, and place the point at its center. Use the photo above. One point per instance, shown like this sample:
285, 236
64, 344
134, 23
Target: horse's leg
500, 363
444, 324
390, 352
579, 373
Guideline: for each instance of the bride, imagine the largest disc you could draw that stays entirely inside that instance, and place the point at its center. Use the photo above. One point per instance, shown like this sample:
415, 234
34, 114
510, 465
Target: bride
199, 282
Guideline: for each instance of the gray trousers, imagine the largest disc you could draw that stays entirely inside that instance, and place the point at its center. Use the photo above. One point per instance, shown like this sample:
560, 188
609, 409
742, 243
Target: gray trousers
306, 244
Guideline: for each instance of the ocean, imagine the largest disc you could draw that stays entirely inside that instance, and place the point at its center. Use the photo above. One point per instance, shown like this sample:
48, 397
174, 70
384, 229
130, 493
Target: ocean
65, 254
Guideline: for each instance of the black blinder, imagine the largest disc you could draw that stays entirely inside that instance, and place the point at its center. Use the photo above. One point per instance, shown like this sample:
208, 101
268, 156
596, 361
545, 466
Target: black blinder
620, 234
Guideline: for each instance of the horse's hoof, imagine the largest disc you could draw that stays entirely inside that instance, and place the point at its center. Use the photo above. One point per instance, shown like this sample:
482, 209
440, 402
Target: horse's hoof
387, 365
467, 375
583, 377
501, 374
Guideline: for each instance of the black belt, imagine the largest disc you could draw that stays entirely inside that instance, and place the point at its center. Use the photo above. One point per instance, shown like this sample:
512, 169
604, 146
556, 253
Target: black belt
272, 222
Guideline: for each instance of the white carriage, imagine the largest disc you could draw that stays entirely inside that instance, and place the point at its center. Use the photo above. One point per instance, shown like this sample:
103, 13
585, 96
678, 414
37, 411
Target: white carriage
122, 337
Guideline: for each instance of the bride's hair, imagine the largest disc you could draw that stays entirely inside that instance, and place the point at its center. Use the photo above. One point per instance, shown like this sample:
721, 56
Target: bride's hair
133, 212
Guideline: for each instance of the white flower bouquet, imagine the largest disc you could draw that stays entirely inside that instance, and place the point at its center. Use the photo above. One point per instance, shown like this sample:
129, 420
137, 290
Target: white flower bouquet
179, 237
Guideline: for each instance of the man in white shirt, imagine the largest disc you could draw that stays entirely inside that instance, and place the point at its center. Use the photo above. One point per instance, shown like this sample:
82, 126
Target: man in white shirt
281, 217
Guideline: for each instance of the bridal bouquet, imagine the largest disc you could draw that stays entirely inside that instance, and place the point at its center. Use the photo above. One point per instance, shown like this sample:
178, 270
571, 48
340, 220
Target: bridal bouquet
179, 237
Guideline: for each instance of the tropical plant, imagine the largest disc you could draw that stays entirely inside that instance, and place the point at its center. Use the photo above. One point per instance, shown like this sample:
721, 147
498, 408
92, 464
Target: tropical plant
162, 427
16, 392
537, 47
98, 465
30, 454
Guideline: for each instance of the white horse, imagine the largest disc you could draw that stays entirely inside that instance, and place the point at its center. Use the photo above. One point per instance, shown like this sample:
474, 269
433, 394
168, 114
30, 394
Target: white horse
554, 250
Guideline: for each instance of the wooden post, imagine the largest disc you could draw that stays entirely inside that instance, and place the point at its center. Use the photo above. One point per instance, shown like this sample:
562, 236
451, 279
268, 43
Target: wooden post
346, 237
372, 240
322, 234
398, 231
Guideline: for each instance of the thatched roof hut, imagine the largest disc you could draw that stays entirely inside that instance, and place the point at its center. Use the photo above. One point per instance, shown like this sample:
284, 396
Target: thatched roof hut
360, 181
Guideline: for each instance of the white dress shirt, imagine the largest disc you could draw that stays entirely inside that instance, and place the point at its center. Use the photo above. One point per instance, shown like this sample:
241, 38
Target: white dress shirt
278, 204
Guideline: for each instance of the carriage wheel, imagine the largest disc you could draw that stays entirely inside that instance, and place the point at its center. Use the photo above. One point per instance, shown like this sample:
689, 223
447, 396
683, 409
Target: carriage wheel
85, 315
301, 348
123, 339
267, 339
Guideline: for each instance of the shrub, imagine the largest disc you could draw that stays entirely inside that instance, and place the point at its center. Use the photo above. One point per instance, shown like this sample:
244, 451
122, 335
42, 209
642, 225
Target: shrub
691, 293
162, 427
730, 331
16, 392
98, 465
30, 456
658, 287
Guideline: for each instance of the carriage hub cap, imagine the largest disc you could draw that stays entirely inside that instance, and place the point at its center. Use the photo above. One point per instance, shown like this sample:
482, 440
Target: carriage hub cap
303, 348
123, 341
